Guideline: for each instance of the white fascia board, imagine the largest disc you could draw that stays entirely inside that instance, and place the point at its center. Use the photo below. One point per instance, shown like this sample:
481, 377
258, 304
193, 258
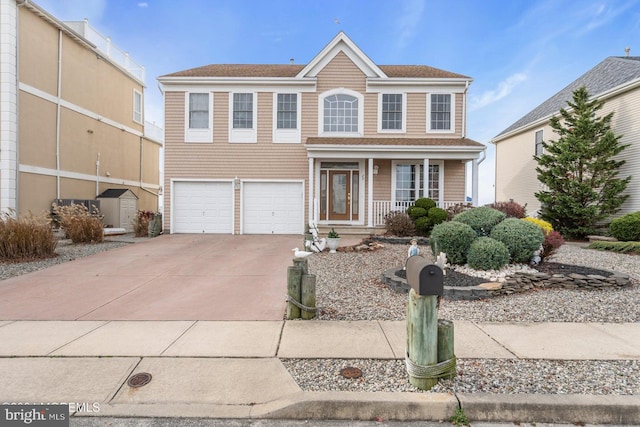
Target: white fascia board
394, 151
341, 42
417, 85
230, 85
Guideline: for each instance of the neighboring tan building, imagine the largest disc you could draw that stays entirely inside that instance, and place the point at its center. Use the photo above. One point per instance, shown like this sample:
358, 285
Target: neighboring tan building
341, 141
72, 122
616, 80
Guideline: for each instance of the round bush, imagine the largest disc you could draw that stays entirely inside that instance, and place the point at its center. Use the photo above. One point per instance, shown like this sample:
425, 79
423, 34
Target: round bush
437, 215
544, 225
423, 224
416, 212
522, 238
425, 203
481, 219
486, 253
454, 239
626, 228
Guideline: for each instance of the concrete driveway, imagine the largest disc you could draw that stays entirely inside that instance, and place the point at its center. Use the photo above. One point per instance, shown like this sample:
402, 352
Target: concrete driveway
171, 277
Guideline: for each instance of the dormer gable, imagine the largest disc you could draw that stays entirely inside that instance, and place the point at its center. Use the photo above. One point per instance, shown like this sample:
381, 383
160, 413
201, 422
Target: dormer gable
341, 43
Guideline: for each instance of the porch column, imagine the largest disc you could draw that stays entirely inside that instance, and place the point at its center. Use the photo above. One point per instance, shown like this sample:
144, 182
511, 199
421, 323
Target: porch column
370, 193
425, 172
474, 182
311, 214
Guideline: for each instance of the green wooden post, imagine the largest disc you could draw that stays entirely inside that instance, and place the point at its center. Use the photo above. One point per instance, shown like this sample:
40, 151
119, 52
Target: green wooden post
294, 276
308, 295
445, 343
422, 335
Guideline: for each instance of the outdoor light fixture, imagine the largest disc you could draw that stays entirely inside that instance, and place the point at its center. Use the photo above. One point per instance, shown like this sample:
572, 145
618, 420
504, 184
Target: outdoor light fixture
376, 168
236, 183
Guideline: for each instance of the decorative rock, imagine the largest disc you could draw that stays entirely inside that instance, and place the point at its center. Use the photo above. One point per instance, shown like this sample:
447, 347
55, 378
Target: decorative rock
491, 286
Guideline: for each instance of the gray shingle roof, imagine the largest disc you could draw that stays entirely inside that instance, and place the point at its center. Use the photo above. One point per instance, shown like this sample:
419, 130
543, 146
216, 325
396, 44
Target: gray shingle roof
610, 73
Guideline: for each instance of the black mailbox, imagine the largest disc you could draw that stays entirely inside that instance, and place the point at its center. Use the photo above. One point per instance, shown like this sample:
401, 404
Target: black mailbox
424, 278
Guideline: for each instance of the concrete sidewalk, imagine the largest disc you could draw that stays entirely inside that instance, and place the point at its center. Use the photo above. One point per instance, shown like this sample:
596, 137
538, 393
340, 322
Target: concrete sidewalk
232, 369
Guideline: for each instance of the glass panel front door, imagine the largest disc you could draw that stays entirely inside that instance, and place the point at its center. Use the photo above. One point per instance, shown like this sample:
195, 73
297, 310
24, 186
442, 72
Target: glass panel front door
339, 195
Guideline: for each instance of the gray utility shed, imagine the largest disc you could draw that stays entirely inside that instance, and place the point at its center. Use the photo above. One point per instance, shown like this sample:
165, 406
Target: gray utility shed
119, 207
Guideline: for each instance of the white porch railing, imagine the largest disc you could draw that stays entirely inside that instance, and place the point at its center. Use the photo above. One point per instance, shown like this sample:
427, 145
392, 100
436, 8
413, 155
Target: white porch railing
382, 207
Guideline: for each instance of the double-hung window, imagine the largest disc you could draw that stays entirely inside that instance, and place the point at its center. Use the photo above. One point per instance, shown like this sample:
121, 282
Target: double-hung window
441, 112
286, 126
137, 106
199, 117
409, 185
243, 117
392, 116
538, 141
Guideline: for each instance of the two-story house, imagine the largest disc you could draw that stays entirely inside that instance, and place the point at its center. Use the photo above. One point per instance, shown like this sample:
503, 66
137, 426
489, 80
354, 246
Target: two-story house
340, 141
72, 119
615, 80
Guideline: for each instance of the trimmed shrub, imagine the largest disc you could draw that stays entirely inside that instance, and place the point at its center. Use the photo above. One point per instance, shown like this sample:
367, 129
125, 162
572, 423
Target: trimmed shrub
454, 239
481, 219
416, 212
522, 238
552, 241
437, 215
399, 224
423, 225
486, 253
511, 209
425, 203
141, 223
626, 228
456, 209
79, 224
545, 226
26, 238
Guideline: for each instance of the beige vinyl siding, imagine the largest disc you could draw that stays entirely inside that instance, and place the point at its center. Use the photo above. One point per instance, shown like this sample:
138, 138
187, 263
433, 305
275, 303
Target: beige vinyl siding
309, 115
382, 181
454, 181
416, 115
222, 159
371, 114
341, 72
38, 56
626, 108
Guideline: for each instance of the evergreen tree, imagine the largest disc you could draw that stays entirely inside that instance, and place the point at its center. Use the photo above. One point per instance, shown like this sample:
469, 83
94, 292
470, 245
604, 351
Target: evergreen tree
578, 170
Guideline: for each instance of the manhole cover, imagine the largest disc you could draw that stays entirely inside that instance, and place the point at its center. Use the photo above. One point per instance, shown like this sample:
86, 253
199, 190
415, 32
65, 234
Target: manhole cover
351, 372
139, 380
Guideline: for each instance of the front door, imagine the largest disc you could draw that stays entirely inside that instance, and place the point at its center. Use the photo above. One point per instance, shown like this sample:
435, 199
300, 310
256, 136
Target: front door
343, 195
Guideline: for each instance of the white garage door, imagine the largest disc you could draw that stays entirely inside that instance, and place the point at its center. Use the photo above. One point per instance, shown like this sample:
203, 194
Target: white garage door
272, 208
202, 207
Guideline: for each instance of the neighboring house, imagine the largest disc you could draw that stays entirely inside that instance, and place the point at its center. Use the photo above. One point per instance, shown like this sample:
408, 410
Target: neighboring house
341, 141
616, 80
72, 122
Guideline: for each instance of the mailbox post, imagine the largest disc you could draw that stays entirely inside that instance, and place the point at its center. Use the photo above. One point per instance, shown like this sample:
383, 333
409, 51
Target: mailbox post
427, 284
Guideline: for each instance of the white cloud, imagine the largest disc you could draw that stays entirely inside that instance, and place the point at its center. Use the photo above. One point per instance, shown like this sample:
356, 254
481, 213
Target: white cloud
143, 4
411, 13
504, 88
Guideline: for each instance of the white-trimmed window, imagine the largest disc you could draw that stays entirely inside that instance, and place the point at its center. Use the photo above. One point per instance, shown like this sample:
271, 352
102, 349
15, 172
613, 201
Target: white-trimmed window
341, 113
408, 182
137, 106
243, 108
539, 149
286, 117
441, 112
392, 107
198, 117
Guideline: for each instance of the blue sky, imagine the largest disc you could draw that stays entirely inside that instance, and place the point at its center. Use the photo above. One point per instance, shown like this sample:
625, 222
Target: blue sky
519, 52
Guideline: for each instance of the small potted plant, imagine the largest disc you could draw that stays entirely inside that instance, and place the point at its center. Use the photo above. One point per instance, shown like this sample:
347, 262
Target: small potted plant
333, 240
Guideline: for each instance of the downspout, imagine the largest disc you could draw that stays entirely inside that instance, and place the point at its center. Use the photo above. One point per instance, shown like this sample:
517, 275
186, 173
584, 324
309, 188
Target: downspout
59, 89
98, 175
464, 109
141, 151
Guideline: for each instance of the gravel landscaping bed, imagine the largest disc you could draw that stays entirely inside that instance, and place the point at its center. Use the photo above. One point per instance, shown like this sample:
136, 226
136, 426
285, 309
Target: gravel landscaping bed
348, 288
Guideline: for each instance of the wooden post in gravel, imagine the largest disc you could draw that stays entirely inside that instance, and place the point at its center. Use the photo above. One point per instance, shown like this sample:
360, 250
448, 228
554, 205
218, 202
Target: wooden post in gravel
422, 335
308, 295
445, 343
294, 277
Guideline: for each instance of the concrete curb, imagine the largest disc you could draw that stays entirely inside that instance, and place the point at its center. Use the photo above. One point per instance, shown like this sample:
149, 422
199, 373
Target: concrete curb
557, 408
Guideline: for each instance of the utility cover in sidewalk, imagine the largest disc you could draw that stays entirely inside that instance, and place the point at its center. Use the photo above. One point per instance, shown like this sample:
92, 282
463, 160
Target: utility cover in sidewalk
351, 372
139, 380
